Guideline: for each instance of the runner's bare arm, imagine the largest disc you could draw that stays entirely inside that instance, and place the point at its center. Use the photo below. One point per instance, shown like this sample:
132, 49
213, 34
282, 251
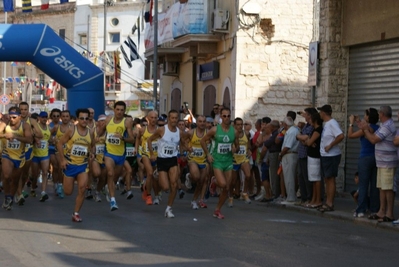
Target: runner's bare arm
36, 130
207, 138
129, 127
27, 137
60, 146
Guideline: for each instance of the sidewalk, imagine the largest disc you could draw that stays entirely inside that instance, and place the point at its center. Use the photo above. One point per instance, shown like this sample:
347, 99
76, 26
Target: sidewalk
343, 207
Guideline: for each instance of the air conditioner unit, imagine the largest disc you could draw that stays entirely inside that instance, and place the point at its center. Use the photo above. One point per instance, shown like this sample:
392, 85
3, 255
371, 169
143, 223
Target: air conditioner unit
170, 68
220, 20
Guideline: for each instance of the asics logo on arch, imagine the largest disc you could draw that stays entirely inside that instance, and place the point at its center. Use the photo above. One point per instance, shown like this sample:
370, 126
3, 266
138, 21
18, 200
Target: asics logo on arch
62, 61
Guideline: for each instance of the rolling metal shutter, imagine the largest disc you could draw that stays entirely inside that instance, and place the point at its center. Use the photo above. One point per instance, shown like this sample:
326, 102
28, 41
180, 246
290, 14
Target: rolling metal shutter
373, 81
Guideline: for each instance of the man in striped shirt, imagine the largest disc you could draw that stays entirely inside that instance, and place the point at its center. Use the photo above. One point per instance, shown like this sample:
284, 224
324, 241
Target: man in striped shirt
386, 159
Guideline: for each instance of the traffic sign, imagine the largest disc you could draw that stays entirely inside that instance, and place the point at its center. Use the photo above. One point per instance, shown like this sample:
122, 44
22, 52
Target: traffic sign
4, 100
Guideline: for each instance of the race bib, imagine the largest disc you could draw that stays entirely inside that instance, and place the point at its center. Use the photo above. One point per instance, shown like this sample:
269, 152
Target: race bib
78, 150
223, 148
130, 151
154, 146
242, 151
197, 152
14, 144
43, 144
100, 148
114, 140
168, 150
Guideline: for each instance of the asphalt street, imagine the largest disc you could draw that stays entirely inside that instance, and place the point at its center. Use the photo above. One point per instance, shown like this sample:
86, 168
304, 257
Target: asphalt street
257, 234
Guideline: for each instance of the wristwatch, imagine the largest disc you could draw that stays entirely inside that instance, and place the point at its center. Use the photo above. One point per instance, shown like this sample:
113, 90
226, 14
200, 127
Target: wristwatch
350, 125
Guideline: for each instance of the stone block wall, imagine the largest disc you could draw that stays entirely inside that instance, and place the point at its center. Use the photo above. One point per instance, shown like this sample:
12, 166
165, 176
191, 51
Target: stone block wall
333, 80
272, 60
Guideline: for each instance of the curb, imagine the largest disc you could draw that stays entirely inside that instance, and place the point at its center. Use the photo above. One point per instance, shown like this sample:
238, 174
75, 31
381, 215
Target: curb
337, 215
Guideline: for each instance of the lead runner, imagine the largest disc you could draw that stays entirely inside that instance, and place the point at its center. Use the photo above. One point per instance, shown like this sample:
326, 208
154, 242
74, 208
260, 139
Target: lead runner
221, 156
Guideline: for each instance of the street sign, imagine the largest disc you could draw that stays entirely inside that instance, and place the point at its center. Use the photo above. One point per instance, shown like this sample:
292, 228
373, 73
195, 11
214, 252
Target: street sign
4, 100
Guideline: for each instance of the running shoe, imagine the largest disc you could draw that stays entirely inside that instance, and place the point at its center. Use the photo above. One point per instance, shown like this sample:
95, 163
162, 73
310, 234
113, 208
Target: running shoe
97, 198
230, 202
188, 181
156, 201
76, 218
7, 204
202, 204
124, 191
247, 200
89, 195
181, 193
60, 191
129, 195
44, 197
168, 213
107, 193
217, 214
194, 205
160, 195
21, 200
32, 193
25, 194
396, 222
148, 200
113, 205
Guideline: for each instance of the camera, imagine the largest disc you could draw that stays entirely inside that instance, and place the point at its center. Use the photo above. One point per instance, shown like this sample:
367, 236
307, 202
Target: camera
186, 104
299, 112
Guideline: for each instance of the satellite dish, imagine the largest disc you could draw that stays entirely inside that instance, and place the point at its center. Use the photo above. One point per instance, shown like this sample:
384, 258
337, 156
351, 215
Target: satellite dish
252, 8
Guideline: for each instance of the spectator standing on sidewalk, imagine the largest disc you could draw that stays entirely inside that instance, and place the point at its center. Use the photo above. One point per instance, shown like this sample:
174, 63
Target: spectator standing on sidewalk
387, 161
305, 185
289, 158
273, 158
367, 167
330, 154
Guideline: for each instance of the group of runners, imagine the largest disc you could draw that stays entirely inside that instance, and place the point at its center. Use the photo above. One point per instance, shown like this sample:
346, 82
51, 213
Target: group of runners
104, 153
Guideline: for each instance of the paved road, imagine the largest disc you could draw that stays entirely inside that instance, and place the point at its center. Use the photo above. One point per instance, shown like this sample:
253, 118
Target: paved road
42, 234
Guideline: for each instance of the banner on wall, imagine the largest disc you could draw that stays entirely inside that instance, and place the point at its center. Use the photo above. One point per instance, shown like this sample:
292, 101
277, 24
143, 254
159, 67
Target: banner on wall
132, 105
180, 19
146, 105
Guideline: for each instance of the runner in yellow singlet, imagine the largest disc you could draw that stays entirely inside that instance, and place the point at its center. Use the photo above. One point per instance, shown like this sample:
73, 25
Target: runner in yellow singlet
16, 134
61, 130
21, 195
98, 166
149, 166
41, 157
80, 145
241, 162
119, 130
197, 163
91, 124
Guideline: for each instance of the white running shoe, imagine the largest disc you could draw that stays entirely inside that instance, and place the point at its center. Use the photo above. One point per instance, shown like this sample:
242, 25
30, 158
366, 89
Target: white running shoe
107, 193
259, 197
156, 201
194, 205
97, 198
187, 183
168, 213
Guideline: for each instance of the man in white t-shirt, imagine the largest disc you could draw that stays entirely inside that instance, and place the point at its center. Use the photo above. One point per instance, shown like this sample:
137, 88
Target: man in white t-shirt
330, 153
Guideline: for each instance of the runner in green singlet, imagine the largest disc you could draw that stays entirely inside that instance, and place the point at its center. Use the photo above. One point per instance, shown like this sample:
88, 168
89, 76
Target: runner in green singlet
221, 156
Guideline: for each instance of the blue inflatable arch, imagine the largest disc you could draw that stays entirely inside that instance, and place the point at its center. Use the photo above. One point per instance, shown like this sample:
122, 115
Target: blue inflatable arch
39, 44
